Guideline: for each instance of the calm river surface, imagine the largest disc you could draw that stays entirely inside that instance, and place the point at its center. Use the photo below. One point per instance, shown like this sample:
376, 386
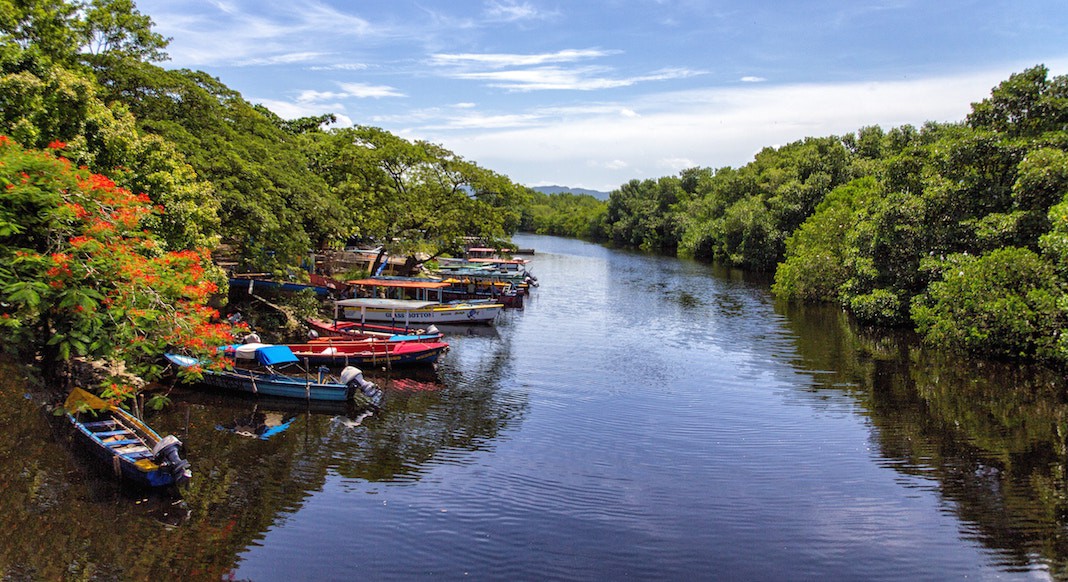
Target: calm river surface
642, 418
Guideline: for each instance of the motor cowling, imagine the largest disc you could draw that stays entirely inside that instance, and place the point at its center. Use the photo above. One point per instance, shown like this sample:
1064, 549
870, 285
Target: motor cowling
166, 454
352, 377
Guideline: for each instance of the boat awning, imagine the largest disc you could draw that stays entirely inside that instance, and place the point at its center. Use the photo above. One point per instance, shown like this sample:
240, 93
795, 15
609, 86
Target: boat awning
376, 303
272, 355
500, 261
399, 284
266, 354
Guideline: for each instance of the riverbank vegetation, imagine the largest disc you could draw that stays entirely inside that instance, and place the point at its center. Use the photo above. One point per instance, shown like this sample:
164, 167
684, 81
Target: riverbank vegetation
958, 230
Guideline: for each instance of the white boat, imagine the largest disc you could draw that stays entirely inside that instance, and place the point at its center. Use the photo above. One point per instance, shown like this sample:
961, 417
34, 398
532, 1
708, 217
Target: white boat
423, 310
412, 312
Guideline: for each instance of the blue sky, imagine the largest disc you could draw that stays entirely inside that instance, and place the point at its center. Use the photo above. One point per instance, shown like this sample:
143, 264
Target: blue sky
593, 93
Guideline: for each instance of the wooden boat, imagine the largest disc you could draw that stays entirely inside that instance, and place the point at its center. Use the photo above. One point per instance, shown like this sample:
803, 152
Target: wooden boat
354, 331
507, 270
274, 371
132, 449
370, 353
417, 302
489, 288
251, 283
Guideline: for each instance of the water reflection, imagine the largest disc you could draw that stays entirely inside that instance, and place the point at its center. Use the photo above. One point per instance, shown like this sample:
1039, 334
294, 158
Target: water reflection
61, 519
622, 433
989, 437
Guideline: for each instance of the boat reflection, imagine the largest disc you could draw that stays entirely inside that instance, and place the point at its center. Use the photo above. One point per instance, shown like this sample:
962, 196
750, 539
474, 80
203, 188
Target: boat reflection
258, 424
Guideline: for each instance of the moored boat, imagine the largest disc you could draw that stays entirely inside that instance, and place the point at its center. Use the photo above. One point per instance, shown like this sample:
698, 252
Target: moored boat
253, 281
355, 331
410, 311
273, 370
416, 302
370, 353
129, 446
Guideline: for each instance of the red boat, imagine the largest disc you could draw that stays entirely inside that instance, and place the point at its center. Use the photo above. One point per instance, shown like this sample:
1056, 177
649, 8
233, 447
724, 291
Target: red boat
370, 353
354, 330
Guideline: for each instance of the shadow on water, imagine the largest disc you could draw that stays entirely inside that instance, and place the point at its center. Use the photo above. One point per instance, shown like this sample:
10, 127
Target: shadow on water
991, 438
63, 518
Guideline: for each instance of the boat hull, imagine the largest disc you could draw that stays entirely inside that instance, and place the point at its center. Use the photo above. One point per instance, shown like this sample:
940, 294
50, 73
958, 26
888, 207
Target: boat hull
455, 314
370, 354
124, 443
357, 332
270, 385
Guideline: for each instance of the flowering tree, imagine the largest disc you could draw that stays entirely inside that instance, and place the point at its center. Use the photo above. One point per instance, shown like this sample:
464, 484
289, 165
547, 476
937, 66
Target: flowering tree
79, 274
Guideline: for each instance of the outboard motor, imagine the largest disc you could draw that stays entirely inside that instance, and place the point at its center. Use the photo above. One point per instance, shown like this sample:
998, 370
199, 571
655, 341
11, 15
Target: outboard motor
166, 454
353, 378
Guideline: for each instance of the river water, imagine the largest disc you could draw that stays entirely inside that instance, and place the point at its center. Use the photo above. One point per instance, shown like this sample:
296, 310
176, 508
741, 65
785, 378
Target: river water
642, 418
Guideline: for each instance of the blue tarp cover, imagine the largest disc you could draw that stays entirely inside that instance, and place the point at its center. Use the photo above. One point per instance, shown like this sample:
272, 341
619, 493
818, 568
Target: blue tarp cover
271, 355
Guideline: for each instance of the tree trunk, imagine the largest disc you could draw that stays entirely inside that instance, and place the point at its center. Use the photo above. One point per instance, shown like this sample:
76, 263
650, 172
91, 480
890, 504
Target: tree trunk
410, 264
378, 261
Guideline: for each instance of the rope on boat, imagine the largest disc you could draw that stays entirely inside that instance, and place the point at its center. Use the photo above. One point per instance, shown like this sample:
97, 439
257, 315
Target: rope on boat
254, 389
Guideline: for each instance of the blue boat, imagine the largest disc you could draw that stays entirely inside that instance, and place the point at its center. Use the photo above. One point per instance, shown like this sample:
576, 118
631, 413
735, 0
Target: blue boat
129, 446
273, 370
272, 285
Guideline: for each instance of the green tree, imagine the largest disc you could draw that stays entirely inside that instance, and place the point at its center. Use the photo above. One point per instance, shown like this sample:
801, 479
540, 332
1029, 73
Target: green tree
81, 276
418, 197
1028, 104
819, 257
1008, 303
62, 105
274, 203
114, 30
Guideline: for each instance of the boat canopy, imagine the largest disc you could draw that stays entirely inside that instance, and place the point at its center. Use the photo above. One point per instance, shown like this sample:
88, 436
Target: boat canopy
490, 261
400, 284
266, 354
398, 304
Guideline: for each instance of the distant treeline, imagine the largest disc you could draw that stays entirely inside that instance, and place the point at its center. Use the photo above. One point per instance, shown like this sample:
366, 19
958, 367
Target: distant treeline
959, 230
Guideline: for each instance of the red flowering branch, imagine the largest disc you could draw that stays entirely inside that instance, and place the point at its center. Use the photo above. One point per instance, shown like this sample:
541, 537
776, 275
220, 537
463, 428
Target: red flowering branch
86, 278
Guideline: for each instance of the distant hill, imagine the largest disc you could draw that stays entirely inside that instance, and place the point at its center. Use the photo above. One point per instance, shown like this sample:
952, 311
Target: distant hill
565, 190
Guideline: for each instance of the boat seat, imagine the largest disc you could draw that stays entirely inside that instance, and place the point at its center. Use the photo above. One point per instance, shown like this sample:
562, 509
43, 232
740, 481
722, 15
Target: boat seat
134, 450
109, 433
123, 442
144, 454
99, 423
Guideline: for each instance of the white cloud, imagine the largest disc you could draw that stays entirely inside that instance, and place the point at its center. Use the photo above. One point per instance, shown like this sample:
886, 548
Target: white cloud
712, 127
750, 79
363, 90
281, 59
349, 91
289, 110
499, 60
556, 78
511, 11
231, 33
479, 121
676, 164
341, 67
